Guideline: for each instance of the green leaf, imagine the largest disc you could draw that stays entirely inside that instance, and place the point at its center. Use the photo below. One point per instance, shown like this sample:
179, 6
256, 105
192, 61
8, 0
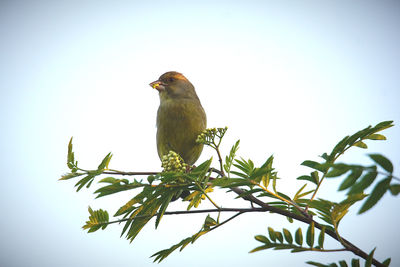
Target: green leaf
355, 263
361, 144
70, 175
395, 189
351, 179
165, 200
321, 237
272, 234
315, 177
376, 137
339, 148
104, 163
310, 235
299, 237
262, 238
383, 125
315, 165
387, 261
317, 264
338, 170
368, 262
229, 159
261, 248
364, 182
382, 161
376, 194
287, 235
343, 264
296, 196
279, 236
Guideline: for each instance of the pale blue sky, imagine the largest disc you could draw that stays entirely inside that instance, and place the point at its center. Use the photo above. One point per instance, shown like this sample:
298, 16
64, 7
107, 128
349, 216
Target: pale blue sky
289, 78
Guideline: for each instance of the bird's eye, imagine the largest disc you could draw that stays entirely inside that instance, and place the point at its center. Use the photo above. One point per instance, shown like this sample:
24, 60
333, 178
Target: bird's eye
171, 79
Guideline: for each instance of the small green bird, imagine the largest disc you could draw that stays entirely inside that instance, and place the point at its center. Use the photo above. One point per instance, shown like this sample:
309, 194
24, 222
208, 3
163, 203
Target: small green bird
180, 117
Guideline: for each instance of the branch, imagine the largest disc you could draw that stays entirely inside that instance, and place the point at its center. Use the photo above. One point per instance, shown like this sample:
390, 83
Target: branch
129, 173
348, 245
239, 210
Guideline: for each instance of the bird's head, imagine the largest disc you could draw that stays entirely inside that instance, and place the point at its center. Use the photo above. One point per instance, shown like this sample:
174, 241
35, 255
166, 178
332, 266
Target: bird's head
173, 85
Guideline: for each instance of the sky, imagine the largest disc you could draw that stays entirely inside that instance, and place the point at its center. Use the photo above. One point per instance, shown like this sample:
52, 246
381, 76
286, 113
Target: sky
289, 78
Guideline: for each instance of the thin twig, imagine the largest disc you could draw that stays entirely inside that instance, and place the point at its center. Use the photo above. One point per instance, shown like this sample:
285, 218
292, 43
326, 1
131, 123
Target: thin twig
179, 212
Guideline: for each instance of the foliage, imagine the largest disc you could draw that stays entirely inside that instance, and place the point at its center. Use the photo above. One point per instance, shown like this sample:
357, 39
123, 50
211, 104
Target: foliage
256, 184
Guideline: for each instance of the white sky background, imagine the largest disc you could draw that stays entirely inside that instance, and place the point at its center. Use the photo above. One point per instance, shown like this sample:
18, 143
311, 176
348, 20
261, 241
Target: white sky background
289, 78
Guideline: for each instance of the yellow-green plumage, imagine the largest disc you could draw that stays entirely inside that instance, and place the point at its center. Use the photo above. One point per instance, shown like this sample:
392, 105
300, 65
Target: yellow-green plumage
180, 117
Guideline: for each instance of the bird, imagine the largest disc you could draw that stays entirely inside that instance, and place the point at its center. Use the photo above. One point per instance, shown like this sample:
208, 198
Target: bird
180, 117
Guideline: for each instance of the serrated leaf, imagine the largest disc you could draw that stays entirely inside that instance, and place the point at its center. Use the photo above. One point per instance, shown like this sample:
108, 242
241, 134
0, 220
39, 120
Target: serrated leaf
376, 194
382, 161
310, 235
299, 237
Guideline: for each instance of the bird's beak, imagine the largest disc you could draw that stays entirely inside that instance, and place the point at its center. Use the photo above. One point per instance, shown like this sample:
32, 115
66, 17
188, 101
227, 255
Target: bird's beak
160, 86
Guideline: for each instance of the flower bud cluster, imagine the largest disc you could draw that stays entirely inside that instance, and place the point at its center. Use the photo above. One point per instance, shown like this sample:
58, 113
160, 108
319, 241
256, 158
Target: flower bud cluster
172, 162
207, 136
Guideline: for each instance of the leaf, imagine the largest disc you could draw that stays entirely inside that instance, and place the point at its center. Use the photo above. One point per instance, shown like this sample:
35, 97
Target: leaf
343, 264
351, 179
321, 237
387, 261
70, 175
97, 219
376, 194
364, 182
279, 236
262, 238
272, 234
299, 237
229, 159
165, 200
314, 165
104, 163
339, 148
310, 235
368, 262
261, 248
317, 264
382, 161
296, 196
395, 189
355, 263
338, 170
361, 144
376, 137
287, 235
